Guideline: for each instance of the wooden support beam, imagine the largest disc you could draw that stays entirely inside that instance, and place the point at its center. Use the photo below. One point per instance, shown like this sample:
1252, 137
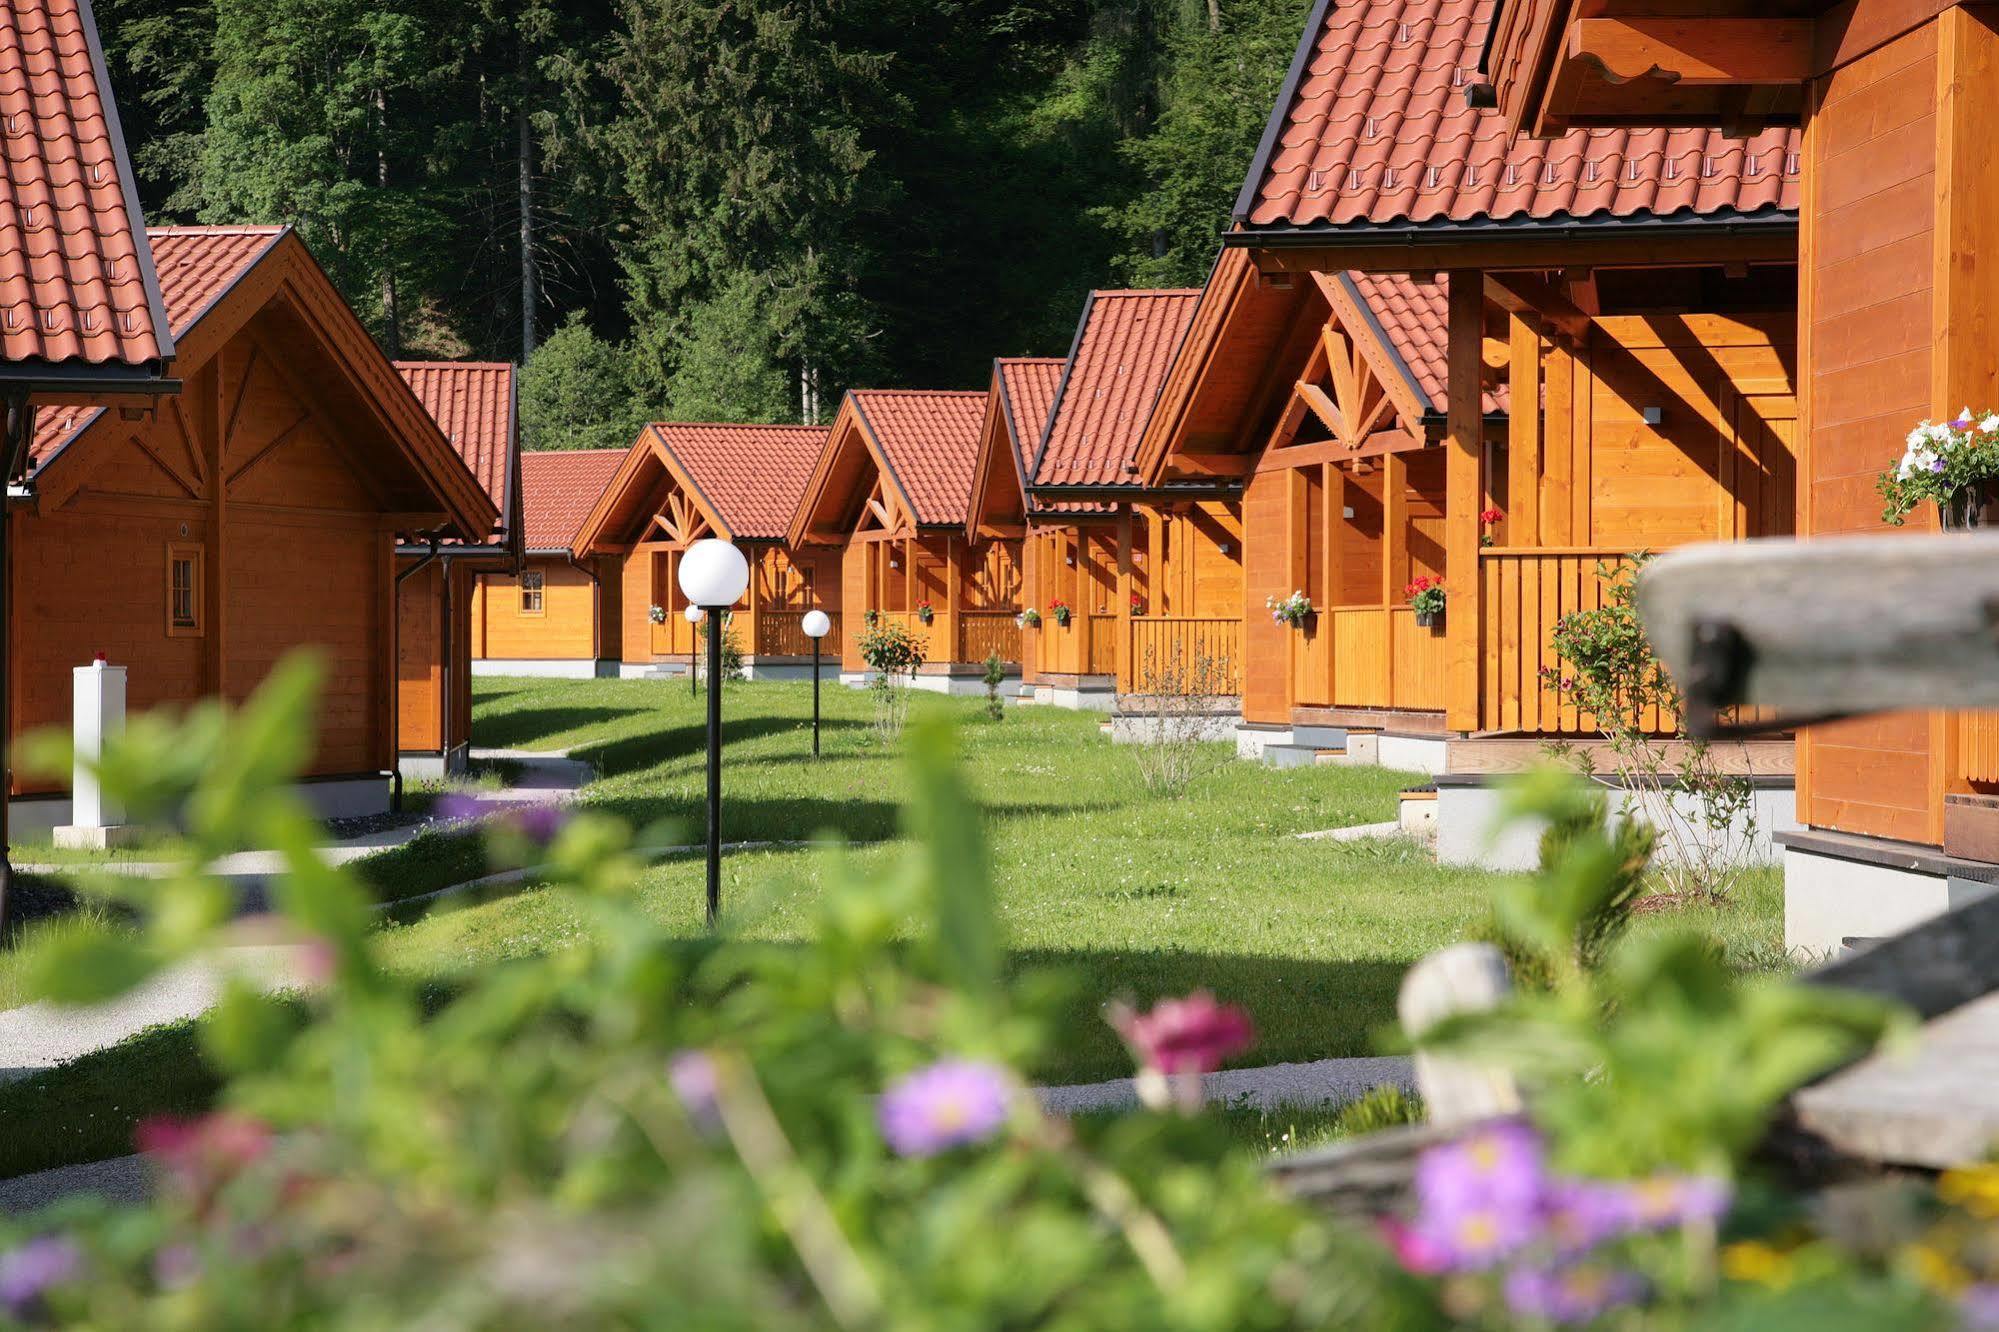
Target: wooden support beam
1395, 529
1697, 52
1520, 294
1311, 455
1523, 439
1463, 490
1124, 593
1322, 407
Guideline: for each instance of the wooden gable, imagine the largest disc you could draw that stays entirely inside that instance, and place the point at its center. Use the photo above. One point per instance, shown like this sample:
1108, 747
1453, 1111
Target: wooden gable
852, 490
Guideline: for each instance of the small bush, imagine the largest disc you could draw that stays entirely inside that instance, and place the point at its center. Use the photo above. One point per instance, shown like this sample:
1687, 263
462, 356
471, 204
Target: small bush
994, 677
894, 653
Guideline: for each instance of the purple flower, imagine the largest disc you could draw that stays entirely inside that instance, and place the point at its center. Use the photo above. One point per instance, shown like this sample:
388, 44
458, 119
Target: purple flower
1979, 1306
176, 1265
1936, 464
538, 823
459, 806
1580, 1214
1501, 1165
950, 1104
29, 1270
692, 1073
1667, 1202
1571, 1294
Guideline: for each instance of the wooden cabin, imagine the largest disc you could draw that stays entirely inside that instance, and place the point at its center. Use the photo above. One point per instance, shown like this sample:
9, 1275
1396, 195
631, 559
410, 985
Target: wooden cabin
85, 323
560, 614
891, 491
474, 405
1626, 299
1897, 323
197, 542
680, 483
1152, 580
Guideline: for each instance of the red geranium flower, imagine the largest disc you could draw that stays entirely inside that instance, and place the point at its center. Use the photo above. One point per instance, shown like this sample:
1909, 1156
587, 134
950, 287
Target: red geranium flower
1490, 516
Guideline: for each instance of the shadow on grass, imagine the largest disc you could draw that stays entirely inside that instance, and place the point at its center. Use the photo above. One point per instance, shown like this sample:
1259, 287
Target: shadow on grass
612, 758
748, 818
531, 726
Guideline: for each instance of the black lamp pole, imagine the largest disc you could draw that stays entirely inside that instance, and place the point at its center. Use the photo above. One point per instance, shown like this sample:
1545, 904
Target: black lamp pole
694, 661
714, 768
815, 698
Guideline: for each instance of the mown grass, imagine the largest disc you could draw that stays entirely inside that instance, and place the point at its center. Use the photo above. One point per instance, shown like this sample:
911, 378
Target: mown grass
1130, 895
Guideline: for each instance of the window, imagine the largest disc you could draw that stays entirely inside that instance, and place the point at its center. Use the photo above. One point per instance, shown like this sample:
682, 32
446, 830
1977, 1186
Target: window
183, 591
531, 589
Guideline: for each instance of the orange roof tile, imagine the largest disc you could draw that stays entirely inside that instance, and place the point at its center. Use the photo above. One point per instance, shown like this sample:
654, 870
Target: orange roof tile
473, 404
77, 285
196, 266
1413, 319
931, 440
1028, 384
559, 487
1374, 130
1124, 346
752, 476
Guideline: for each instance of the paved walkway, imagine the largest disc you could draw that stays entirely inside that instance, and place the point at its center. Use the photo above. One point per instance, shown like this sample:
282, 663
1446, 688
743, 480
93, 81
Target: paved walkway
1334, 1081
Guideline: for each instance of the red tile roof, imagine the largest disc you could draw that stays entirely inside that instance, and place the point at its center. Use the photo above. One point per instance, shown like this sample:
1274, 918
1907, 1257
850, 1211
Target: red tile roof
559, 487
752, 476
473, 404
196, 266
1377, 132
76, 282
1029, 383
1414, 319
1122, 352
931, 440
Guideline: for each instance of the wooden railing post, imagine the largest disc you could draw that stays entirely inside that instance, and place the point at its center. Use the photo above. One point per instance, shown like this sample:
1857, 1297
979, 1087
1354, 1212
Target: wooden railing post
1523, 432
1124, 594
1464, 492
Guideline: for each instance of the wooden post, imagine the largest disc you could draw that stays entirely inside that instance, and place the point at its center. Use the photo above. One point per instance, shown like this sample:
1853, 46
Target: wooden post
1395, 528
1558, 448
1086, 604
1463, 490
1335, 572
1157, 591
1124, 594
1030, 591
1523, 433
954, 573
753, 603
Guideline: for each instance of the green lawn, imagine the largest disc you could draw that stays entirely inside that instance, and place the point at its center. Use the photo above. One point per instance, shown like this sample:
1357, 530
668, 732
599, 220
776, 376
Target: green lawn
1132, 895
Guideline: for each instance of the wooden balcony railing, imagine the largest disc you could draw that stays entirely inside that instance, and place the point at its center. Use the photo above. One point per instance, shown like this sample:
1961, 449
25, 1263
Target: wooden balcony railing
781, 633
1369, 657
1103, 644
1525, 593
1183, 655
982, 633
1978, 747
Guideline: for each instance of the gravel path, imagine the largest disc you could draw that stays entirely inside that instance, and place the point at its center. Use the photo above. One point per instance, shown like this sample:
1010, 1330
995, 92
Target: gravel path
123, 1179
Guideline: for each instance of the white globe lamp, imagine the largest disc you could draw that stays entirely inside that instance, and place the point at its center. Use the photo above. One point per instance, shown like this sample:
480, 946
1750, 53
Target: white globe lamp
817, 624
713, 574
694, 614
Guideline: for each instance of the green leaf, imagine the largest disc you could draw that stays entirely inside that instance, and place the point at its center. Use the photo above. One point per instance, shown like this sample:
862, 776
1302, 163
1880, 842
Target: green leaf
248, 1031
89, 964
948, 829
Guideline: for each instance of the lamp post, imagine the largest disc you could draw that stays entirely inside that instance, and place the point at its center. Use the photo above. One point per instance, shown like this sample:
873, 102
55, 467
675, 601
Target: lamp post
694, 651
816, 626
713, 574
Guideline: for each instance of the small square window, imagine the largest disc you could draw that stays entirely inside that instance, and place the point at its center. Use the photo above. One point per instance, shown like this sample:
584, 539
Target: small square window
183, 591
531, 593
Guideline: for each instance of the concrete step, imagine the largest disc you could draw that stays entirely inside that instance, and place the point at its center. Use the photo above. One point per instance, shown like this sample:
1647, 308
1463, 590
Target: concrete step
1320, 737
1297, 756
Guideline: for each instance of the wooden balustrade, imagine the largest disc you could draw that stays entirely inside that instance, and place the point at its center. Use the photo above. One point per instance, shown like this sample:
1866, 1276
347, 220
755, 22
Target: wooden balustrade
1525, 593
982, 633
1978, 747
1103, 644
1183, 655
781, 633
1369, 657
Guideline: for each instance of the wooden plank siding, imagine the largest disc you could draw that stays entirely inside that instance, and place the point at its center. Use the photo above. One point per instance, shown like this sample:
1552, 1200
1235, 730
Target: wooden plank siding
567, 627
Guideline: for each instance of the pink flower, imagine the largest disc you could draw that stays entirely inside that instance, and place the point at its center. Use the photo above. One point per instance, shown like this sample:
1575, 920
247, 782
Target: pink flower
203, 1154
1190, 1035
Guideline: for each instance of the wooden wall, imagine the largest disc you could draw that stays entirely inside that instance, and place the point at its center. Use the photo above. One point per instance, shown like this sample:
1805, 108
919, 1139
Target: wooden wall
781, 580
1900, 174
419, 657
248, 468
565, 630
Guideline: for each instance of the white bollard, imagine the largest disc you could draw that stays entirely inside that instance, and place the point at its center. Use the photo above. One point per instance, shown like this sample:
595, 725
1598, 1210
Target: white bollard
98, 718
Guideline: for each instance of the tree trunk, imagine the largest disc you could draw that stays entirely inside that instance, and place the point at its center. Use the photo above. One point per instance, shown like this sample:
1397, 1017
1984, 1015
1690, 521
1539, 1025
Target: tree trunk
392, 331
1214, 15
530, 294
